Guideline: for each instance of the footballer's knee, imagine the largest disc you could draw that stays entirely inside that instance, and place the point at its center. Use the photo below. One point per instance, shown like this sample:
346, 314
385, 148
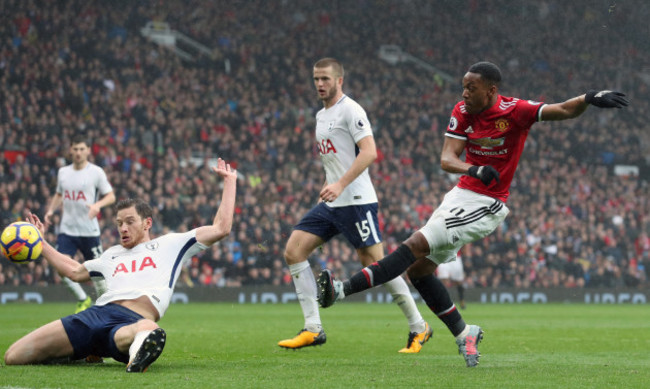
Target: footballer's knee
299, 246
145, 325
9, 358
15, 356
421, 268
295, 253
418, 245
290, 257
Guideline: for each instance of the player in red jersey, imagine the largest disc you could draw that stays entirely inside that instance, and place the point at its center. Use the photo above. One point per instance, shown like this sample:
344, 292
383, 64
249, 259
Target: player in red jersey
491, 129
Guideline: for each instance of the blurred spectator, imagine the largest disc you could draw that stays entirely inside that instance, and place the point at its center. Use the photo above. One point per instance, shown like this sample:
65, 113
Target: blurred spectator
155, 122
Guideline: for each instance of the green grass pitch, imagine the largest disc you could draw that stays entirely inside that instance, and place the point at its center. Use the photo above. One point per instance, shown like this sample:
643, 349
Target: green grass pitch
234, 346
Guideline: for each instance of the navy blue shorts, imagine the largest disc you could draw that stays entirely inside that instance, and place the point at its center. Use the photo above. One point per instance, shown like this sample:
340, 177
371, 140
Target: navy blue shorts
358, 223
92, 331
90, 246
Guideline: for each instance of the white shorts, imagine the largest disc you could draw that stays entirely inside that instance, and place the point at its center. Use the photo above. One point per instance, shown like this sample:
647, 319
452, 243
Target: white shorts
463, 217
452, 270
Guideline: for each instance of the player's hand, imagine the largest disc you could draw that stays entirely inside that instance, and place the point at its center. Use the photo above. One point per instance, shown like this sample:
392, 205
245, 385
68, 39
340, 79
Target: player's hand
606, 99
93, 210
48, 218
484, 173
224, 169
331, 192
36, 222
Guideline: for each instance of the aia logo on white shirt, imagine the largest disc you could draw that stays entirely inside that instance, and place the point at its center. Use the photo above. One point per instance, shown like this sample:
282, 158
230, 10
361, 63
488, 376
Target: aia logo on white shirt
74, 196
135, 266
325, 147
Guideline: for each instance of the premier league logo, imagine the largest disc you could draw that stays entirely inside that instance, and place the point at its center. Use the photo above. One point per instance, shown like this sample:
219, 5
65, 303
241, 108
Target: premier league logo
360, 123
453, 123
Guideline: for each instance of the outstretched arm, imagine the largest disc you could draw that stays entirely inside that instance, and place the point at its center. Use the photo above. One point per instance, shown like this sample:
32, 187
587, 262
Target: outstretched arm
63, 264
574, 107
222, 223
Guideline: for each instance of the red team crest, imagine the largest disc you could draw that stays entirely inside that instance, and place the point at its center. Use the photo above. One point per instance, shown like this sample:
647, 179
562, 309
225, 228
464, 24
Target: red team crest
502, 125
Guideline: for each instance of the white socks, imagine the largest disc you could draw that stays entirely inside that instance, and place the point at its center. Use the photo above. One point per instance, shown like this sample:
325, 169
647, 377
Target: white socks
402, 297
306, 290
100, 285
463, 334
75, 288
137, 342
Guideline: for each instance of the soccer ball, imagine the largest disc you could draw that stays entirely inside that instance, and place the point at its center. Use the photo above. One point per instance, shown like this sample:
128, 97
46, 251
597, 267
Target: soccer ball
21, 242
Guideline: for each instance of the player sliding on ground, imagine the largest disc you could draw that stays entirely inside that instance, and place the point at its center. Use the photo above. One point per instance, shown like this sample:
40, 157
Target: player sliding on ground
491, 129
140, 276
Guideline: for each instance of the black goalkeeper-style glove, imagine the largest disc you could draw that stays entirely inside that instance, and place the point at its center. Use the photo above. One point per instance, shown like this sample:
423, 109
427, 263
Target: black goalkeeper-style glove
606, 99
484, 173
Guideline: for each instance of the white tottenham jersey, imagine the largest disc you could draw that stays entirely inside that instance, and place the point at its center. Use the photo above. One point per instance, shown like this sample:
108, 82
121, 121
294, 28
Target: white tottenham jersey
78, 189
338, 129
149, 269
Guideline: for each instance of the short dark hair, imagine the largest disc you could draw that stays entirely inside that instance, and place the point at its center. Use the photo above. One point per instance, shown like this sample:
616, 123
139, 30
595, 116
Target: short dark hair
488, 71
79, 138
336, 65
141, 207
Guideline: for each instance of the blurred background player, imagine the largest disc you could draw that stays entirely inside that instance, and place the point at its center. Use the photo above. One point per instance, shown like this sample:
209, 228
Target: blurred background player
140, 274
347, 205
452, 274
78, 188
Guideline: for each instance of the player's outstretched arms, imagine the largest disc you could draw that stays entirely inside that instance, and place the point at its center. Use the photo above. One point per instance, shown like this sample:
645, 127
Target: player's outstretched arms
576, 106
63, 264
222, 224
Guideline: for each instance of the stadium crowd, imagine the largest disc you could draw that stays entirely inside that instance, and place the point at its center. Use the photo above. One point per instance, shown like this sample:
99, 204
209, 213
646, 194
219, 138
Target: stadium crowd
155, 122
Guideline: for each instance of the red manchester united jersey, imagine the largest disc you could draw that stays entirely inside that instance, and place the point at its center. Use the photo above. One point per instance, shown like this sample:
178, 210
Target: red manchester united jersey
494, 137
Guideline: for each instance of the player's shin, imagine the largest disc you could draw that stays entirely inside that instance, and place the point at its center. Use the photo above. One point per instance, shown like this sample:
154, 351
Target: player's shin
434, 293
401, 294
306, 291
378, 273
75, 288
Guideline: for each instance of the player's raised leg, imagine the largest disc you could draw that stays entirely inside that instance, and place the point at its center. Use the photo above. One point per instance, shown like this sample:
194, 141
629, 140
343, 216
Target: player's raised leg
412, 256
378, 273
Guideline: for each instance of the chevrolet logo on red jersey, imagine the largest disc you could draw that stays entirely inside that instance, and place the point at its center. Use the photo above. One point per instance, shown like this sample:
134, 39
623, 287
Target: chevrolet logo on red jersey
488, 143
